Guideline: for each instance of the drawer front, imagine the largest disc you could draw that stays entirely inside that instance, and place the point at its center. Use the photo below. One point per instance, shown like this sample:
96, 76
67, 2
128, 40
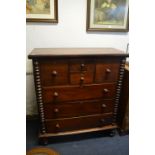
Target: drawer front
107, 72
82, 65
75, 109
81, 71
77, 123
54, 73
81, 78
68, 93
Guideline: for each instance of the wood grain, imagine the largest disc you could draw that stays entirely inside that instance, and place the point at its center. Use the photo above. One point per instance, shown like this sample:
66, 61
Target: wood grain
77, 123
72, 93
79, 108
76, 52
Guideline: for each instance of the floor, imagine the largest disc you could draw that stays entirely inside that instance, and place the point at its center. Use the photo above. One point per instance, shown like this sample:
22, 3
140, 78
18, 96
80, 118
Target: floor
84, 144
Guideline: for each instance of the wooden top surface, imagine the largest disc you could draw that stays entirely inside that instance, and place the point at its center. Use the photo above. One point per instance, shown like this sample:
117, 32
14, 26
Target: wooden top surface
71, 52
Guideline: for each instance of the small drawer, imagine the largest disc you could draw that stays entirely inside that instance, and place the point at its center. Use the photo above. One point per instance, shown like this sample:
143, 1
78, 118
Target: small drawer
77, 123
54, 72
107, 72
81, 78
72, 93
80, 108
82, 65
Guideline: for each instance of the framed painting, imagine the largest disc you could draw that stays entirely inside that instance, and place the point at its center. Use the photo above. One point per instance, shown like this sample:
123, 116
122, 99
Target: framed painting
42, 11
108, 15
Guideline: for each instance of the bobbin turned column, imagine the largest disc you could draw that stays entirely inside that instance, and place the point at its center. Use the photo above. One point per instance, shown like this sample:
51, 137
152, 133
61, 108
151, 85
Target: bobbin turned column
38, 89
118, 89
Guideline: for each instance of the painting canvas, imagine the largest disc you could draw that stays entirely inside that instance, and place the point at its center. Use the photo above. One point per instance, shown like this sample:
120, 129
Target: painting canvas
107, 15
41, 10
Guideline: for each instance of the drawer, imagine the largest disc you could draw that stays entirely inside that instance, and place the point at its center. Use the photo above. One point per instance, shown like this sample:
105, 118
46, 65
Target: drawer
77, 123
107, 72
81, 78
82, 65
54, 72
72, 93
80, 108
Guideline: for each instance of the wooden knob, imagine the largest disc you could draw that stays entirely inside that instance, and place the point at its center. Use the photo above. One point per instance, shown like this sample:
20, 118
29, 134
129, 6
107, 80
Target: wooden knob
56, 110
54, 73
82, 65
82, 79
104, 105
57, 126
55, 94
108, 70
106, 90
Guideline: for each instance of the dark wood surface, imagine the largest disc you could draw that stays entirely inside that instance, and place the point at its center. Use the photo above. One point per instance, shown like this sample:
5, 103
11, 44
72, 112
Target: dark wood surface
77, 71
71, 93
76, 52
77, 89
106, 127
107, 71
79, 108
54, 72
76, 123
123, 117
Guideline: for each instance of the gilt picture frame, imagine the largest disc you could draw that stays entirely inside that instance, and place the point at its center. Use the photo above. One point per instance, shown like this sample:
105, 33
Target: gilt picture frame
108, 15
42, 11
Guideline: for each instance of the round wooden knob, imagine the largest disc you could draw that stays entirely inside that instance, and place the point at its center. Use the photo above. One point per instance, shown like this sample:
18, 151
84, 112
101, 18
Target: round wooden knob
54, 73
82, 79
56, 110
57, 126
106, 90
55, 94
108, 70
82, 65
104, 105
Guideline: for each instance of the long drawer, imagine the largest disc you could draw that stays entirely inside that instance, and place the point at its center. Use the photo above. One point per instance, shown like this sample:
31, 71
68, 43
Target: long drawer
80, 108
77, 123
72, 93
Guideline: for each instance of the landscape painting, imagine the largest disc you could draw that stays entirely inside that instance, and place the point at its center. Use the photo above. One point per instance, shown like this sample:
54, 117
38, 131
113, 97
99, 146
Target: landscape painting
41, 10
38, 6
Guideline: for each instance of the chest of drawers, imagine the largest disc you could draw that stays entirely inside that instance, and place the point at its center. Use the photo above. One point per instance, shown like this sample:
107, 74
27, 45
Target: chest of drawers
77, 89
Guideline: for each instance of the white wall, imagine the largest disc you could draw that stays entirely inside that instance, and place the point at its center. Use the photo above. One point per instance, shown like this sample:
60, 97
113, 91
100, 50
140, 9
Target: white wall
69, 32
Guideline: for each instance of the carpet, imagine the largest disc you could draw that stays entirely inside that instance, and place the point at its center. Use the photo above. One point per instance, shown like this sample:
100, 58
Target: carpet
85, 144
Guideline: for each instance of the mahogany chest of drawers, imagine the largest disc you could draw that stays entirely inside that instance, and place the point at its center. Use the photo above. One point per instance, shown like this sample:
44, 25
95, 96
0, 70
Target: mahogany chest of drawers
77, 89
